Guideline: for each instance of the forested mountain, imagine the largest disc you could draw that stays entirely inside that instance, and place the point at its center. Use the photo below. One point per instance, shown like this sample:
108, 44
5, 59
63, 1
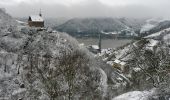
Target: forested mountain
160, 26
154, 25
92, 26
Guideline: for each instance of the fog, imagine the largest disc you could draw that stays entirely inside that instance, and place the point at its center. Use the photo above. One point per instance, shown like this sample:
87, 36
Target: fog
88, 8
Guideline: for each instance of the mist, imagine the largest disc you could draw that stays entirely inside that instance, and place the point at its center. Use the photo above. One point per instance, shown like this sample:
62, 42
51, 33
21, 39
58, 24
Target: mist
88, 8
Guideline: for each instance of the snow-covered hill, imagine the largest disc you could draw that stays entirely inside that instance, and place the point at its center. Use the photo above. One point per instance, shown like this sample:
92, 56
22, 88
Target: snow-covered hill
149, 24
155, 25
145, 63
92, 26
7, 24
44, 65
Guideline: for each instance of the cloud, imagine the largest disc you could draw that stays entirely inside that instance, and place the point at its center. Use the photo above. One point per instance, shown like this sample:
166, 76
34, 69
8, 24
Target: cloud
31, 2
88, 8
73, 2
134, 2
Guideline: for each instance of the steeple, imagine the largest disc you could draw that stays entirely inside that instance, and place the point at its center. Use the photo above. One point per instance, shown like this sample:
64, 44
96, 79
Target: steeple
40, 13
100, 41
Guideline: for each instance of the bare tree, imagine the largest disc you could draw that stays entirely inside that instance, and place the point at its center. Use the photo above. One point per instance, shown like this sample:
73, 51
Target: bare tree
153, 63
52, 70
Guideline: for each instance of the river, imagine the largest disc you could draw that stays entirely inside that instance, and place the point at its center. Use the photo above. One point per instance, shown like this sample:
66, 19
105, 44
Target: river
106, 43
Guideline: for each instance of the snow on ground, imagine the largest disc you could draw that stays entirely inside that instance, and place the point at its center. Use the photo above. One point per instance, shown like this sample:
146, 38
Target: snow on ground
36, 18
150, 23
166, 38
104, 52
18, 91
95, 47
107, 33
135, 95
147, 27
122, 63
157, 33
122, 52
137, 69
110, 62
153, 35
119, 62
21, 22
103, 81
152, 43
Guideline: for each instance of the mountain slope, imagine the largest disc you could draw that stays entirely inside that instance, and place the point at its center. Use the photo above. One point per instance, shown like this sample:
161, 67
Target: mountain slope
153, 26
135, 24
7, 24
160, 26
92, 26
145, 63
42, 65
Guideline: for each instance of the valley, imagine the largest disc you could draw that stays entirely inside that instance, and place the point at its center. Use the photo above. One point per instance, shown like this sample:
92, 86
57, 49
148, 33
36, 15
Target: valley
87, 58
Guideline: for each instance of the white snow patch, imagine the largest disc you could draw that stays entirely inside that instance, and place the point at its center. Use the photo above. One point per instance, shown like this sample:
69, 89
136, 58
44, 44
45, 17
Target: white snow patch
153, 35
147, 27
103, 81
135, 95
36, 18
18, 91
117, 61
81, 44
107, 33
108, 51
95, 47
136, 69
20, 22
153, 43
157, 33
151, 23
167, 39
110, 62
105, 59
122, 63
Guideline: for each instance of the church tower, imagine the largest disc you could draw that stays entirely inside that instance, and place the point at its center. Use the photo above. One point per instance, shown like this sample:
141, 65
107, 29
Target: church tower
40, 14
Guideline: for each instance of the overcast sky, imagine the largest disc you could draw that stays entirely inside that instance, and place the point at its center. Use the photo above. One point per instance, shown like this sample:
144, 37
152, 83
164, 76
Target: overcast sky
88, 8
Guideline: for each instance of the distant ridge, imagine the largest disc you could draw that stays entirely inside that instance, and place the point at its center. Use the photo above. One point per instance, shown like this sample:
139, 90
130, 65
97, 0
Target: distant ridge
91, 26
